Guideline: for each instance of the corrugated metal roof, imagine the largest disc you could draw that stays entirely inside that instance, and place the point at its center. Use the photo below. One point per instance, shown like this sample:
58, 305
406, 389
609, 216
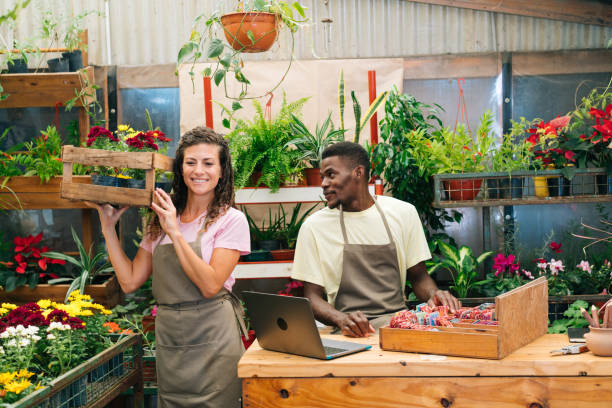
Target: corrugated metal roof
152, 31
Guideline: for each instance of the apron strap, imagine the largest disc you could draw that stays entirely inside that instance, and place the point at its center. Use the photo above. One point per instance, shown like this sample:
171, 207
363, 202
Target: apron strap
238, 311
382, 215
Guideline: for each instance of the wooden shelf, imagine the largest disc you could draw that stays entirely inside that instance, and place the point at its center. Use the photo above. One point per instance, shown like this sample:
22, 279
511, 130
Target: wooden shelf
263, 270
45, 89
32, 194
299, 194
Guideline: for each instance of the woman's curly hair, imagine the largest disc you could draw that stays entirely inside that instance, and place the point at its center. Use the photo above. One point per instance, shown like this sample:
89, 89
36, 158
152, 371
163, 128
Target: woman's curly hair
224, 191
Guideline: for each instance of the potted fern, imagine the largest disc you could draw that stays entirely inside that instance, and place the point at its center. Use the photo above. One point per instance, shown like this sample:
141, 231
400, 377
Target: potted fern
311, 146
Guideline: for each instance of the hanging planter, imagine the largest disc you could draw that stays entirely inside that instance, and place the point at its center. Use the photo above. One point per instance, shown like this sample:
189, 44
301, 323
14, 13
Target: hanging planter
465, 189
250, 32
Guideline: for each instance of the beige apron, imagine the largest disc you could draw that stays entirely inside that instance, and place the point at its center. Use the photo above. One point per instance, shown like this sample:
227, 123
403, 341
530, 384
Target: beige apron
198, 339
370, 279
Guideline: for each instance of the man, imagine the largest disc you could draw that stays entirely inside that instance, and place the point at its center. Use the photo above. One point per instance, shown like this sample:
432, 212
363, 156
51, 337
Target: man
359, 251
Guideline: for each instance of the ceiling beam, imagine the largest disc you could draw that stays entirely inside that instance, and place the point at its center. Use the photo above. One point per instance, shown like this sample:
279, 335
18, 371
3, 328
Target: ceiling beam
576, 11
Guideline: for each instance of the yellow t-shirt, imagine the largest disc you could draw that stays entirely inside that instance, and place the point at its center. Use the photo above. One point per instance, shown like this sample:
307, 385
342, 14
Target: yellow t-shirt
318, 252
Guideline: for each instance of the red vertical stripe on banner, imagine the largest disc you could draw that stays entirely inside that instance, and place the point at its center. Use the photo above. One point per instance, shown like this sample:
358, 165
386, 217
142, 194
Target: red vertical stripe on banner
374, 119
208, 103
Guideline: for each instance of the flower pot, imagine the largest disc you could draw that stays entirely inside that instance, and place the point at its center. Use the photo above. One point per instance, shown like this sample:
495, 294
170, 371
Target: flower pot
465, 189
136, 183
313, 177
599, 341
247, 342
257, 256
17, 66
283, 254
58, 65
558, 186
75, 59
109, 181
261, 25
269, 244
603, 184
540, 186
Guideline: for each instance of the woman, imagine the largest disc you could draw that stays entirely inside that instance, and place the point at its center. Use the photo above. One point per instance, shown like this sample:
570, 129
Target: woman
191, 247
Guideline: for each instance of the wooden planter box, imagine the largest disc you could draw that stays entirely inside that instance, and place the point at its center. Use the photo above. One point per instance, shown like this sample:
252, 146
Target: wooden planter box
522, 314
108, 293
31, 194
115, 195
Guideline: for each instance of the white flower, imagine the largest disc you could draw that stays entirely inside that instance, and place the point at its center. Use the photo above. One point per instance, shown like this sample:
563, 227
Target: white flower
542, 265
31, 330
24, 342
12, 343
555, 266
584, 265
51, 336
35, 337
58, 326
1, 350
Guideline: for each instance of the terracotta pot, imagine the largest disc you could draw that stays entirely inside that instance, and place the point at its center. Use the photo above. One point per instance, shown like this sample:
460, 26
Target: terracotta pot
255, 176
148, 324
465, 189
262, 25
313, 177
283, 254
599, 341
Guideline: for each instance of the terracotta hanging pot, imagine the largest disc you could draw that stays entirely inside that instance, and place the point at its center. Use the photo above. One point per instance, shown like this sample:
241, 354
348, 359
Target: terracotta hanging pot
465, 189
262, 25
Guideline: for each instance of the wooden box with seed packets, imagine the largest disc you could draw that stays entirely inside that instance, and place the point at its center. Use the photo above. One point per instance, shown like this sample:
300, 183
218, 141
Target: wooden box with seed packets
522, 316
147, 161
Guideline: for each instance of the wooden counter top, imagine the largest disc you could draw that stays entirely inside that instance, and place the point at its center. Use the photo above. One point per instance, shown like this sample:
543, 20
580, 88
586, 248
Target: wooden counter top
533, 359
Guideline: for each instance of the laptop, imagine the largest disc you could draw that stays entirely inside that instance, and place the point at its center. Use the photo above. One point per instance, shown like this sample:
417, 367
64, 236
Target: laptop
287, 324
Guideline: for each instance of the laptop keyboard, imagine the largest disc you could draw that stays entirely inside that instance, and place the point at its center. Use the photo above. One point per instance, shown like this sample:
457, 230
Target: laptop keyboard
333, 350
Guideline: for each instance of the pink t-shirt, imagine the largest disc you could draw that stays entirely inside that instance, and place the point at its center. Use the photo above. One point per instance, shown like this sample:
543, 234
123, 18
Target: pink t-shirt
230, 231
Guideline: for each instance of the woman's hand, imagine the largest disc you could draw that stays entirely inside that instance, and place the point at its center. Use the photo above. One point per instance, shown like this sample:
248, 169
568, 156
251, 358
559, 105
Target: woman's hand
109, 215
165, 210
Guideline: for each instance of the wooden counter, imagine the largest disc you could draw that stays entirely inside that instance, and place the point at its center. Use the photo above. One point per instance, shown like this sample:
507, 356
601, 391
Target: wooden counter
529, 377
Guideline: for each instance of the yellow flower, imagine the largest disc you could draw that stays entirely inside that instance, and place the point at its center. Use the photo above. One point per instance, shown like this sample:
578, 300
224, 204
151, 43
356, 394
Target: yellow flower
123, 176
85, 312
123, 128
3, 311
17, 386
9, 306
23, 374
6, 377
38, 386
44, 303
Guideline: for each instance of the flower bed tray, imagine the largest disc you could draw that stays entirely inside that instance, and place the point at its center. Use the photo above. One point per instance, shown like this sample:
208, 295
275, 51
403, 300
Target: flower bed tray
522, 315
108, 293
96, 382
115, 195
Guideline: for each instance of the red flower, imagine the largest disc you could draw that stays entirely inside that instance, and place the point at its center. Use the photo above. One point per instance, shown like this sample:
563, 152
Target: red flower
555, 247
560, 121
569, 155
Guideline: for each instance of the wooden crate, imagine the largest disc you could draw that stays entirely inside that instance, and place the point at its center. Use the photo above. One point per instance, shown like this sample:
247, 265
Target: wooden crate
115, 195
522, 314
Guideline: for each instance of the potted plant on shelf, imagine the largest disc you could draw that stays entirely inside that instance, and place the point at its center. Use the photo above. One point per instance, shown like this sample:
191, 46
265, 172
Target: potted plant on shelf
311, 146
456, 151
264, 238
513, 154
288, 230
259, 148
252, 28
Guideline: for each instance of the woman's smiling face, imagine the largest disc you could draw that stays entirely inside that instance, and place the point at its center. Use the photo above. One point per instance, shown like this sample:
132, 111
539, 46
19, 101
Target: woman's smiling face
201, 168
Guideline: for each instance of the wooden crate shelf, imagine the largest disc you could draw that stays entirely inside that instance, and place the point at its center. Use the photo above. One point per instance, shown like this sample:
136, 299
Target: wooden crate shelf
31, 194
146, 161
522, 314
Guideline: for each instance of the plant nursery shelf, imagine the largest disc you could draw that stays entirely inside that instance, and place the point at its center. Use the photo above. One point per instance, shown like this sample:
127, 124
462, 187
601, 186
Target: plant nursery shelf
32, 194
521, 188
298, 194
265, 270
46, 89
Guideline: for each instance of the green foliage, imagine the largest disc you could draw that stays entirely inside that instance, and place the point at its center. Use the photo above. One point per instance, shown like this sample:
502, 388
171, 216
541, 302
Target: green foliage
493, 285
87, 266
289, 229
574, 318
460, 263
311, 146
260, 145
405, 130
269, 228
43, 155
514, 153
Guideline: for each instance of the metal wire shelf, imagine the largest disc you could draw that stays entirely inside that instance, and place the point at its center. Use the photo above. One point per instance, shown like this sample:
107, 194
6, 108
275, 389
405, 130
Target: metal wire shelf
96, 382
521, 188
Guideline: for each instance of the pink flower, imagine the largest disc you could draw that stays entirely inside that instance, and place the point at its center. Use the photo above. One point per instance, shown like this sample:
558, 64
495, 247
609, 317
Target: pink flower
585, 266
560, 121
527, 273
154, 311
555, 266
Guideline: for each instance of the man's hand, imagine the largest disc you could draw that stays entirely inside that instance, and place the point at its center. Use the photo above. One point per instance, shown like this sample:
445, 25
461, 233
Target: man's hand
355, 324
444, 298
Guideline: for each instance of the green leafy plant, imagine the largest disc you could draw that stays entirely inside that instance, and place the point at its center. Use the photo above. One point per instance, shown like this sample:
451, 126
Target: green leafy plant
514, 153
360, 122
206, 43
43, 155
460, 263
402, 158
7, 19
87, 266
259, 145
288, 230
574, 318
310, 145
269, 228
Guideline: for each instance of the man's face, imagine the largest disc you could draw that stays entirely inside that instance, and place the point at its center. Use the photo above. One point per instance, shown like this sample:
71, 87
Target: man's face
340, 181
